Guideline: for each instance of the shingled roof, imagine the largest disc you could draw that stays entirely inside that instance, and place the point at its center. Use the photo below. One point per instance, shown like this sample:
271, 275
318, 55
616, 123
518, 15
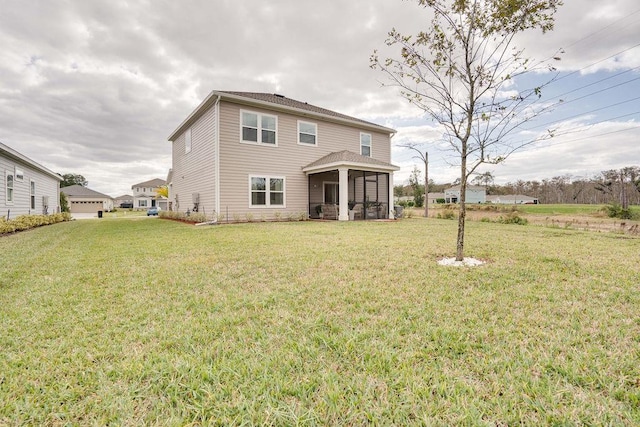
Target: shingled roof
80, 191
273, 100
154, 183
348, 158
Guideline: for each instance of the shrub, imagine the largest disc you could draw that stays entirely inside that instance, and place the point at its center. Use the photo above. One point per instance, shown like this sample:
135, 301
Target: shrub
26, 222
615, 210
410, 204
447, 214
513, 218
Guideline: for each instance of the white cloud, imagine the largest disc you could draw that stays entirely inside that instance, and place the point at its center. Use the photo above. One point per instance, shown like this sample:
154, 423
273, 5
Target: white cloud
96, 87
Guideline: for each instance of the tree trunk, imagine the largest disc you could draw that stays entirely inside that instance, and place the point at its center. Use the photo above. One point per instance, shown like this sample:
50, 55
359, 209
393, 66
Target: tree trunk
462, 211
426, 185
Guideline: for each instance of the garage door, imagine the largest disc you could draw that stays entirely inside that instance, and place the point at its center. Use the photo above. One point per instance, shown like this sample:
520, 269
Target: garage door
85, 207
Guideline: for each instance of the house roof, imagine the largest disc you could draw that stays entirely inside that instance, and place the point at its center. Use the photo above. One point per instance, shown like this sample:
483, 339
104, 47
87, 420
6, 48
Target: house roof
274, 101
156, 182
124, 197
80, 191
349, 159
510, 197
13, 154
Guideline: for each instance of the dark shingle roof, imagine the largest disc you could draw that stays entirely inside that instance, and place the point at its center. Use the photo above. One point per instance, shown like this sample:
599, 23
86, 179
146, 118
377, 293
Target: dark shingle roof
348, 157
156, 182
80, 191
274, 98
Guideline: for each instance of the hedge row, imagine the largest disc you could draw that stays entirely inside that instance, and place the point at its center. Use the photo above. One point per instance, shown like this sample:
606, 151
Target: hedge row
26, 222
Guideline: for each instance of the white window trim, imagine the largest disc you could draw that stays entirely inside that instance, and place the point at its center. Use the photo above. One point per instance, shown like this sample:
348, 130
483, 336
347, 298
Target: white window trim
306, 144
32, 194
8, 173
268, 204
370, 144
259, 130
18, 174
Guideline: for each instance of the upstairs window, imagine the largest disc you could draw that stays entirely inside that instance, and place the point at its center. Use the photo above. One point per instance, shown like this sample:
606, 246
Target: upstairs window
187, 141
365, 144
9, 186
19, 176
259, 128
307, 133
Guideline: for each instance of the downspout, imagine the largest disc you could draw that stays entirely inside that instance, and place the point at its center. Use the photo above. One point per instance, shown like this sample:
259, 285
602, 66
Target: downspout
216, 144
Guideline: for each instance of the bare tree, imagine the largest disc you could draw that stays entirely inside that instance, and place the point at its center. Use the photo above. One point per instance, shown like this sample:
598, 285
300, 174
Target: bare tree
424, 156
460, 72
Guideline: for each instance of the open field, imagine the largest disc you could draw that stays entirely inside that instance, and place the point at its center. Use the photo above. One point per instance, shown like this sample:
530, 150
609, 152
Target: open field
316, 323
573, 216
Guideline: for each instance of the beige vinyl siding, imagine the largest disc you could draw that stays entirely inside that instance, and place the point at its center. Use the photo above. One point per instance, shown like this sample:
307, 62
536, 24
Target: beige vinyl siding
238, 160
194, 172
21, 205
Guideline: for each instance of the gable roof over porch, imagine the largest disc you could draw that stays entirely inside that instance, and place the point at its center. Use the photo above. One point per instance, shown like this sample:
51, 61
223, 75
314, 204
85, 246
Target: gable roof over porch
349, 160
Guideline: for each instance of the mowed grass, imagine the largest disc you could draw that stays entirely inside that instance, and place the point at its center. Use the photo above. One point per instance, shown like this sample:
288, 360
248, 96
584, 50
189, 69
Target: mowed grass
567, 209
148, 321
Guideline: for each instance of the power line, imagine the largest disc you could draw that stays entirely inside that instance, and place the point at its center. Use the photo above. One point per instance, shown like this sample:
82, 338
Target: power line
584, 113
604, 28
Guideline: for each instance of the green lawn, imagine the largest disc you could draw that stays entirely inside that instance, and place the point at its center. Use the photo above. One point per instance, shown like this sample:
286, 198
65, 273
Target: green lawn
148, 321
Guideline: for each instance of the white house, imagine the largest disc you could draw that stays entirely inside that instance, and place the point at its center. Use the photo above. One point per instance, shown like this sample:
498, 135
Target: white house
474, 194
28, 188
512, 199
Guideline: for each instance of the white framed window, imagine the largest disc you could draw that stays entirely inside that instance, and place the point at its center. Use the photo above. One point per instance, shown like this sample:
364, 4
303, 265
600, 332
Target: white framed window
258, 128
19, 174
365, 144
307, 133
187, 141
32, 193
9, 186
142, 203
266, 191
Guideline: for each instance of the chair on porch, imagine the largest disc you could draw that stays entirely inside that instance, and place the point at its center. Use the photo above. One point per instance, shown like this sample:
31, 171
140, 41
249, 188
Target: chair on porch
330, 211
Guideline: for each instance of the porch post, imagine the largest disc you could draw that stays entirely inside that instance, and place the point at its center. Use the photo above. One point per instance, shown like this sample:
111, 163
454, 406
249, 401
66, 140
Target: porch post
343, 174
391, 195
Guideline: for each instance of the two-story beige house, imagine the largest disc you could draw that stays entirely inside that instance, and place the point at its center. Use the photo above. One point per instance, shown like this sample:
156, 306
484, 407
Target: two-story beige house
145, 194
260, 155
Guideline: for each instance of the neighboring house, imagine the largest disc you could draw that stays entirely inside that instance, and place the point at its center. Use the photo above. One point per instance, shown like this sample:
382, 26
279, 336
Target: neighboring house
125, 201
474, 194
433, 198
259, 155
144, 193
27, 187
512, 199
84, 200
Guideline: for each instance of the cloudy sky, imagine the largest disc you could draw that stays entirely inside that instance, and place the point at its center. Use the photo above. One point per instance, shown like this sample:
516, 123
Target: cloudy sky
95, 87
